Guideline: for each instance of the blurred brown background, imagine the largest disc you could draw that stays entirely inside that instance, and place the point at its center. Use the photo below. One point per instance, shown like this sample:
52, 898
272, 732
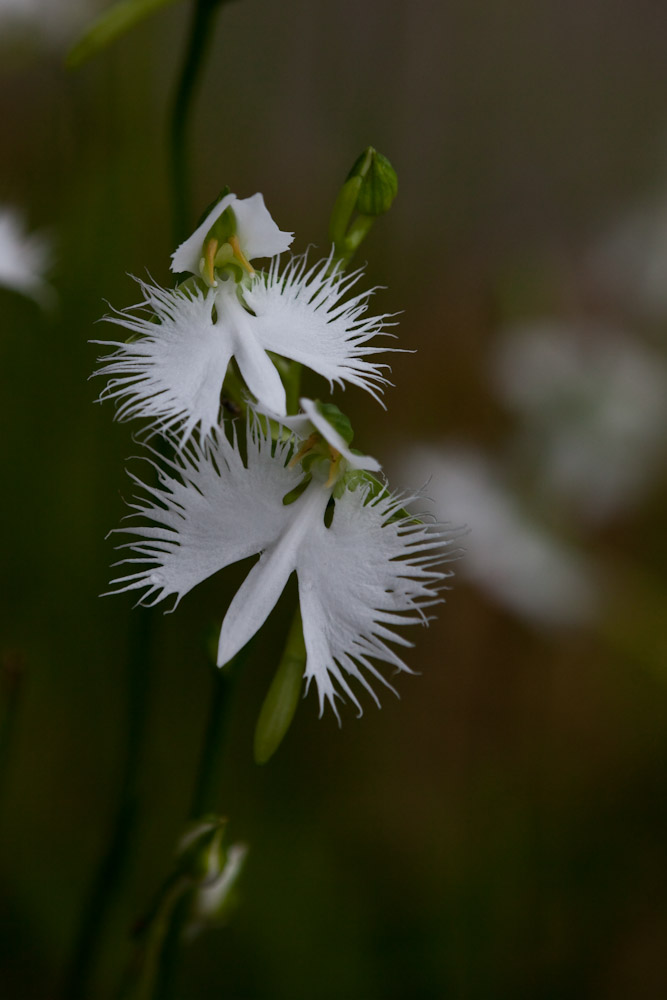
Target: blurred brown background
500, 831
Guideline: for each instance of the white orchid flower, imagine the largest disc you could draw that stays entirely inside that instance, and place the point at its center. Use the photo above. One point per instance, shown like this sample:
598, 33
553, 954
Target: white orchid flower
172, 374
24, 258
372, 567
511, 555
255, 235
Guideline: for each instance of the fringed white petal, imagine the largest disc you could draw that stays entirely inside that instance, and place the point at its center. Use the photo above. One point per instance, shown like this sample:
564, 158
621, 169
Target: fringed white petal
209, 510
361, 575
173, 372
300, 313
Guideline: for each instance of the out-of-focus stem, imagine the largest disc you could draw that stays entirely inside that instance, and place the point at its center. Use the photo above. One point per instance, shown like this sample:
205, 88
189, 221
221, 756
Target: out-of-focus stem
201, 33
112, 867
205, 800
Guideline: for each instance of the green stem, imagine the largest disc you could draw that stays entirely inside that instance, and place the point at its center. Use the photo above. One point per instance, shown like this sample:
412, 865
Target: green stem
113, 865
207, 784
204, 800
201, 33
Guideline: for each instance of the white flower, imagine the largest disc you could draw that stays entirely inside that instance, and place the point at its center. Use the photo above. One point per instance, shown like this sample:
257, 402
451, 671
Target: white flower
630, 261
173, 373
257, 233
24, 258
508, 555
593, 406
44, 21
370, 570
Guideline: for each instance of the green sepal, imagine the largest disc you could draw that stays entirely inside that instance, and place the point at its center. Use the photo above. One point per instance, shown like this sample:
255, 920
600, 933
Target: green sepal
111, 24
283, 696
344, 206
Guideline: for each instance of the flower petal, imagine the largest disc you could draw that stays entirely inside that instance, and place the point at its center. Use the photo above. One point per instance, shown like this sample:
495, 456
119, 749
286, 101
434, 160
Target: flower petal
331, 435
299, 314
210, 509
363, 574
303, 424
258, 234
24, 258
172, 374
258, 370
266, 581
187, 256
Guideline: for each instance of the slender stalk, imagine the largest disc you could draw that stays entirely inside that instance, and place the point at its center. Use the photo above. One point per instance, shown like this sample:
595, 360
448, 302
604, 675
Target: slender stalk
205, 800
206, 794
201, 33
113, 865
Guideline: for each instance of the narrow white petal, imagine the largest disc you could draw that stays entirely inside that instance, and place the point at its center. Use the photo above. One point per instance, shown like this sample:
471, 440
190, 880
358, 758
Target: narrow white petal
303, 425
335, 440
258, 370
209, 509
300, 314
258, 234
189, 253
266, 581
356, 578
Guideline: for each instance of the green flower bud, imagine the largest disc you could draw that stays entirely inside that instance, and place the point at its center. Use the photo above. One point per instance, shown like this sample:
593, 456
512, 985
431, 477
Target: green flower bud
283, 696
379, 183
193, 857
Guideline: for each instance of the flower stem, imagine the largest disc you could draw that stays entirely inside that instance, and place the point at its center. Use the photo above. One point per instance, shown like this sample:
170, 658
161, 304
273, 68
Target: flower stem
201, 33
207, 783
205, 800
112, 867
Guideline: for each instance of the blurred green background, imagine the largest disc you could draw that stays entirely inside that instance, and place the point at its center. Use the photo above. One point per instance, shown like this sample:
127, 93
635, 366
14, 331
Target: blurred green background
500, 831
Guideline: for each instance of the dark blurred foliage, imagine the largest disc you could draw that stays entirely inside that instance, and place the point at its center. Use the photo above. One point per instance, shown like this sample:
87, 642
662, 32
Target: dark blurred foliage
500, 831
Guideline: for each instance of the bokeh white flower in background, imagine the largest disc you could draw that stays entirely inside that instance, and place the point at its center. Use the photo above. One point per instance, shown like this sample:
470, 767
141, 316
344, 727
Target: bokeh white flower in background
630, 261
45, 21
592, 405
24, 258
511, 557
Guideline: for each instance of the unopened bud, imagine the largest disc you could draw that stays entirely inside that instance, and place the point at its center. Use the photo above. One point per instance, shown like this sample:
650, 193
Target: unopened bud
280, 704
379, 183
